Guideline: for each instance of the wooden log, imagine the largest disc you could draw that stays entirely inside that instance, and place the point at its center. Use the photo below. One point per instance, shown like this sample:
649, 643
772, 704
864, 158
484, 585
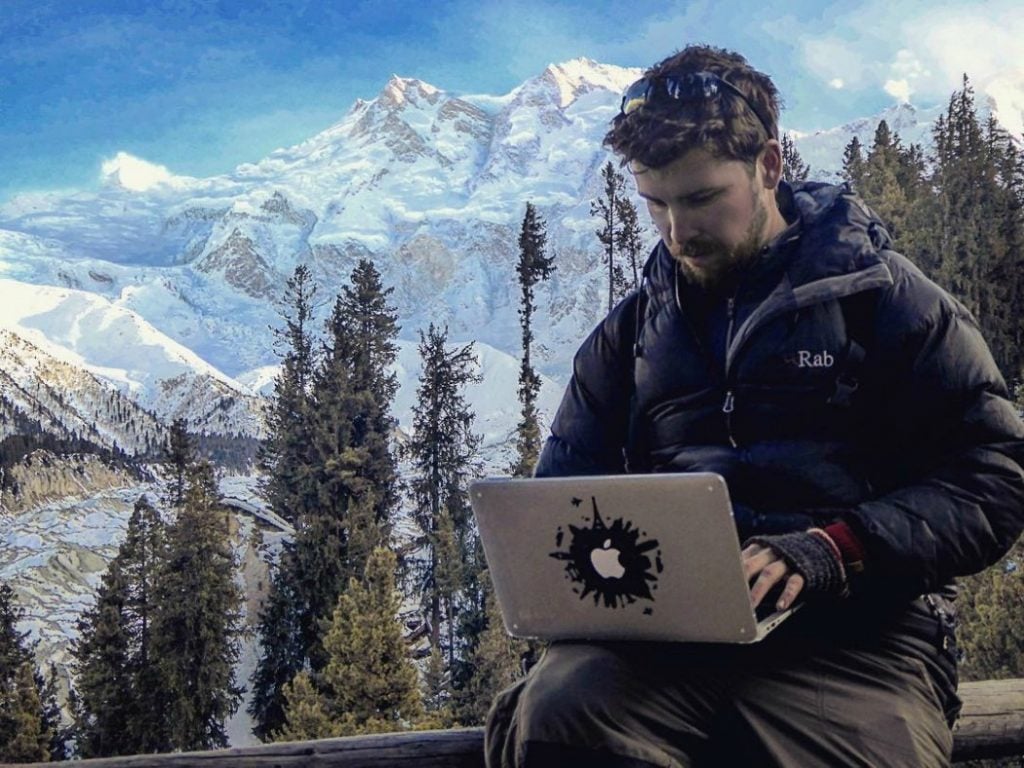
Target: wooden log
459, 748
992, 721
991, 725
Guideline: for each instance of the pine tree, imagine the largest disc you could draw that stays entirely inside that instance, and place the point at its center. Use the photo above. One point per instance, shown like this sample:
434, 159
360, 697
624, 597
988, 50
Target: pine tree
141, 556
917, 237
794, 167
977, 180
30, 742
534, 266
440, 697
1000, 291
881, 186
180, 455
364, 333
349, 488
290, 488
284, 456
442, 450
120, 695
196, 626
352, 395
282, 653
365, 532
105, 694
52, 720
369, 684
1010, 349
630, 237
24, 732
373, 684
606, 208
14, 652
306, 709
495, 663
853, 164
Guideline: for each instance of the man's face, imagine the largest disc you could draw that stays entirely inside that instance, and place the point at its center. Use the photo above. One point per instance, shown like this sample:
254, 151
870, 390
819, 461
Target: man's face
708, 211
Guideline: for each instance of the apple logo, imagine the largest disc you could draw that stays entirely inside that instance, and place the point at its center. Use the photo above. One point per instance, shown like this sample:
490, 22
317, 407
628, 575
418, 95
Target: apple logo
606, 561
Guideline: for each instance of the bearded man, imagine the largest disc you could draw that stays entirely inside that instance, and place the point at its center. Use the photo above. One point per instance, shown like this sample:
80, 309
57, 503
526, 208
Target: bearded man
855, 411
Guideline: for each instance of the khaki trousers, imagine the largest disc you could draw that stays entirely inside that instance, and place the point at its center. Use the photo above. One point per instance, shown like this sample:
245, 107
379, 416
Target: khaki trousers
615, 705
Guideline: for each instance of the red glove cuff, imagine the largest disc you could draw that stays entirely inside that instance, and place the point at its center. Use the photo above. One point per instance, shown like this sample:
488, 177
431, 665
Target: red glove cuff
849, 545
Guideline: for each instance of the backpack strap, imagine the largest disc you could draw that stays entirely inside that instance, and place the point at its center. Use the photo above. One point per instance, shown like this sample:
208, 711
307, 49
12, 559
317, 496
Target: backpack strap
634, 452
859, 311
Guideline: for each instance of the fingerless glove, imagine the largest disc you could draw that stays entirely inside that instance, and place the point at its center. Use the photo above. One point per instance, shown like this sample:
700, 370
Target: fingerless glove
813, 555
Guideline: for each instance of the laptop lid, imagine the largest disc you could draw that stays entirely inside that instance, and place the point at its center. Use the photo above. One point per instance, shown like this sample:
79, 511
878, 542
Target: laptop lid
620, 557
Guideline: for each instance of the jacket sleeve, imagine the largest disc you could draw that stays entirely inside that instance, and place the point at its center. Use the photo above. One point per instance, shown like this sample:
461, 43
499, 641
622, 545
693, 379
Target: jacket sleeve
952, 498
589, 431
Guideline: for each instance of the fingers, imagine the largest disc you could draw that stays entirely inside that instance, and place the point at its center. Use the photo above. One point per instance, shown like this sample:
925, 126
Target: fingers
755, 558
770, 570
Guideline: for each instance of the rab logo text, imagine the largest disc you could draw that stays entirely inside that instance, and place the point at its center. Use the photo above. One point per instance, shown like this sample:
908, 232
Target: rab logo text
808, 359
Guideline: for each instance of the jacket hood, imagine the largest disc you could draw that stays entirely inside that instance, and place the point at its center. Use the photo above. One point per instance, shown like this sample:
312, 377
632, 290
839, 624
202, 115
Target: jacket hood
838, 233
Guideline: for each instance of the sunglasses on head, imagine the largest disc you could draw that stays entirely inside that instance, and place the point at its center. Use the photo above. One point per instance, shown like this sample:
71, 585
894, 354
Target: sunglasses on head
685, 87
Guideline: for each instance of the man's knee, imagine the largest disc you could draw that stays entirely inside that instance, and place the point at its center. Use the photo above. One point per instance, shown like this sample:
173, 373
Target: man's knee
564, 699
573, 685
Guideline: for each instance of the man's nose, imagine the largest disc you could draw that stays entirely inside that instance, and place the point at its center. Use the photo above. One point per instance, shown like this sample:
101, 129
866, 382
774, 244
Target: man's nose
680, 228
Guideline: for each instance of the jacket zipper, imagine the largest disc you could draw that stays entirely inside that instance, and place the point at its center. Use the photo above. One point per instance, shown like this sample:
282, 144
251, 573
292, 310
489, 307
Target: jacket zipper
730, 398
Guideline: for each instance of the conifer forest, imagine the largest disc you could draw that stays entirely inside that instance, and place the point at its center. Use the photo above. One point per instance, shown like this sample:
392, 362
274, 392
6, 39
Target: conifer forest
382, 523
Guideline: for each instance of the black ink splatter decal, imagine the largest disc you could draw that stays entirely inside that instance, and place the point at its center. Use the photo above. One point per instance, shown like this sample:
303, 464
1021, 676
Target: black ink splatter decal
609, 561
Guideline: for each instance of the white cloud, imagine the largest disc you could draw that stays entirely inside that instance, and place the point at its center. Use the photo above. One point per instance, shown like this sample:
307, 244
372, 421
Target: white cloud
912, 52
837, 83
831, 58
908, 66
980, 45
135, 173
899, 89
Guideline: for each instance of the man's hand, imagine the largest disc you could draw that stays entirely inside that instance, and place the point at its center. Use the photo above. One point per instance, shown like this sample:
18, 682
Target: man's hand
766, 569
805, 562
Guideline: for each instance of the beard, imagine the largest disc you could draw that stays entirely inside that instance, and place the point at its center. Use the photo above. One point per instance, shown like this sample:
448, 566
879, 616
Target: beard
719, 265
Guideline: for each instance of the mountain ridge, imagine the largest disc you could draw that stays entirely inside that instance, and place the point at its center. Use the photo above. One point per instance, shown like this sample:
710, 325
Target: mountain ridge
425, 182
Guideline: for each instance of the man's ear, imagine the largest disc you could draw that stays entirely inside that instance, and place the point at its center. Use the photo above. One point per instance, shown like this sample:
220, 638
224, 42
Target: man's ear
770, 161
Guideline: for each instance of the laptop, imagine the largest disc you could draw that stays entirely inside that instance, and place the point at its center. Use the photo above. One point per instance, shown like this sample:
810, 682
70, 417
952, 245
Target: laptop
622, 557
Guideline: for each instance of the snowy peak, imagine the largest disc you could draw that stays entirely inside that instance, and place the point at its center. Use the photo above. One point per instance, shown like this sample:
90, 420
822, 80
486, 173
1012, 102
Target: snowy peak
400, 91
572, 79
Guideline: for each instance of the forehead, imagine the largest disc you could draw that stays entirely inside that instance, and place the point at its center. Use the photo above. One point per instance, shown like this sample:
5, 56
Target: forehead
696, 170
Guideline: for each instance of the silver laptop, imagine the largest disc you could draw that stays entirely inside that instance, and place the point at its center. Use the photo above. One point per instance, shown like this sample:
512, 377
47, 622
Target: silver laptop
622, 557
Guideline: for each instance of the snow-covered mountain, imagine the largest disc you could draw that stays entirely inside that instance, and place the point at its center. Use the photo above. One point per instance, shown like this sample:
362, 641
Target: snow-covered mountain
823, 150
76, 341
429, 185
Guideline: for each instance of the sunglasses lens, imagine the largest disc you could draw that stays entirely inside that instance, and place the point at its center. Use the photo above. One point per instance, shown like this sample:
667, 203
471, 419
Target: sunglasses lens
635, 96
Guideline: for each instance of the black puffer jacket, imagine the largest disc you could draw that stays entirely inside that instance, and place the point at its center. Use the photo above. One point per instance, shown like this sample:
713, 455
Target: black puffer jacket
914, 443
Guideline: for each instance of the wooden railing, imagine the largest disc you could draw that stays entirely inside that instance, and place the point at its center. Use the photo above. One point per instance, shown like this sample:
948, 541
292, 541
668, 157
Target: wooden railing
991, 725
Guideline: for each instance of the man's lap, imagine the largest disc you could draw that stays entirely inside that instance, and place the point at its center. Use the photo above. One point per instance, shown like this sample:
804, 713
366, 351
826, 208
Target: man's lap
678, 705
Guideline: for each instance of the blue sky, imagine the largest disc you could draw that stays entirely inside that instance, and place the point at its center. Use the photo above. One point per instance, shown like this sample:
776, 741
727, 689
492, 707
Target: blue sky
203, 86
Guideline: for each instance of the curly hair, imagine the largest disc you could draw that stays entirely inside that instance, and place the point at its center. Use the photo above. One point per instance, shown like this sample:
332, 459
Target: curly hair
662, 130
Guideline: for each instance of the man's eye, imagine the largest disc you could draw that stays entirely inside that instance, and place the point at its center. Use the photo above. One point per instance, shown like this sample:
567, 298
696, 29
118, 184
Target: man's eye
696, 202
655, 204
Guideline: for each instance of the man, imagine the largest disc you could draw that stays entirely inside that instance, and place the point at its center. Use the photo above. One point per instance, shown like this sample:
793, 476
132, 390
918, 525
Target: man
865, 433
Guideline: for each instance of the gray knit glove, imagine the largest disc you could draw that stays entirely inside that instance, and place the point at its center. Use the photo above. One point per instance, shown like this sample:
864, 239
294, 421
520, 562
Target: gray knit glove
813, 555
